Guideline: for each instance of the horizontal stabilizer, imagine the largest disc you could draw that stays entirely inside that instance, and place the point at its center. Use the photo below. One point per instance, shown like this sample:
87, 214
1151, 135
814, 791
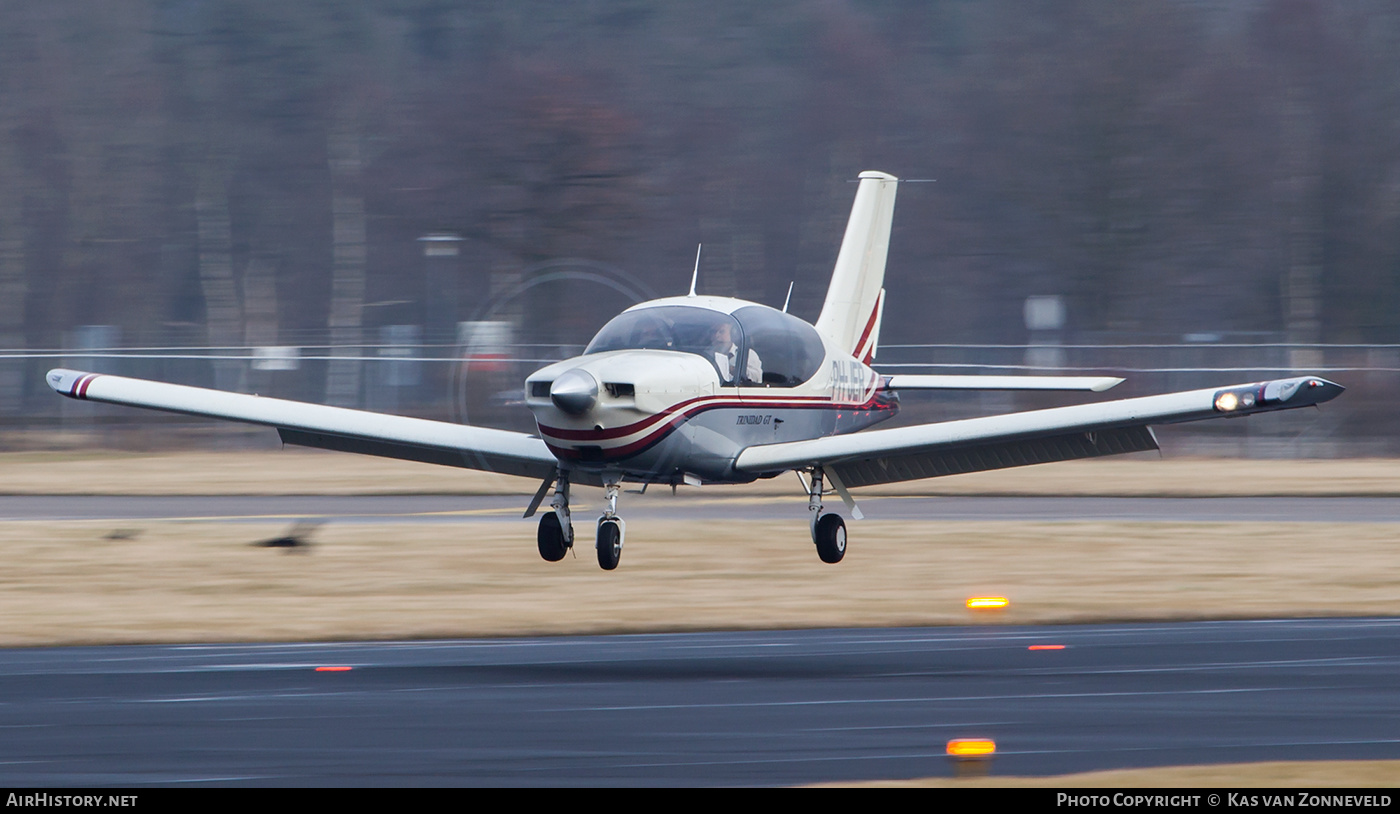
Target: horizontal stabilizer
1097, 384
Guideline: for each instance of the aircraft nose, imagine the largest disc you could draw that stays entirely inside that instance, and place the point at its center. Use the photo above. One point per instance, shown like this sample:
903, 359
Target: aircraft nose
575, 392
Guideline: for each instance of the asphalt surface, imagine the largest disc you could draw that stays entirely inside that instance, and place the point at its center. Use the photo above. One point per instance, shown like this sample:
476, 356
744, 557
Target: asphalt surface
458, 508
772, 708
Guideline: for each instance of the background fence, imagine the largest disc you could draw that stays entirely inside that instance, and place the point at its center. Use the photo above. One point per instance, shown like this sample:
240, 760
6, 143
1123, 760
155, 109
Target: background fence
479, 380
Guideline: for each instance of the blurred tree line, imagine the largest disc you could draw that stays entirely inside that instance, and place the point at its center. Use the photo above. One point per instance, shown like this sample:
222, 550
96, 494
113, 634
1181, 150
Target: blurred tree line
231, 172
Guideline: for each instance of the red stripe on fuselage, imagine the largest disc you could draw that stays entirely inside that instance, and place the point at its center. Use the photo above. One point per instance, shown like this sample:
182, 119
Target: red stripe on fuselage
677, 418
683, 409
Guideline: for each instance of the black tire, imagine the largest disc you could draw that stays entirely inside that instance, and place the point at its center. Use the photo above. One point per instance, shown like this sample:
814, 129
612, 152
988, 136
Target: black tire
551, 538
830, 537
609, 544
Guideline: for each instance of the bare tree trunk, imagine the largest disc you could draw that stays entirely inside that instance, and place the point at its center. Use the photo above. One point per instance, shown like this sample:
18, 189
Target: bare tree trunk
223, 313
259, 317
348, 274
507, 229
717, 272
825, 206
259, 303
12, 281
1301, 285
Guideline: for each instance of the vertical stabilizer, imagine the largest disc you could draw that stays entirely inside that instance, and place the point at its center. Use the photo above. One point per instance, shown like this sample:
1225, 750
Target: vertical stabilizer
851, 315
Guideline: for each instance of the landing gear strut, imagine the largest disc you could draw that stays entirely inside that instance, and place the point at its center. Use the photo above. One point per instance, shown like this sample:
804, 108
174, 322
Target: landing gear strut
611, 529
556, 533
828, 530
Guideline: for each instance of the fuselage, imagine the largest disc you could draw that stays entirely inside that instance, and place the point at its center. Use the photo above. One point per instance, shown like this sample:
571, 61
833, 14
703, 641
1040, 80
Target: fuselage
672, 390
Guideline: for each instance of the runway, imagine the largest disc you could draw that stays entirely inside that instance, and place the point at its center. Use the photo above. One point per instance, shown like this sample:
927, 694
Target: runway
769, 708
460, 508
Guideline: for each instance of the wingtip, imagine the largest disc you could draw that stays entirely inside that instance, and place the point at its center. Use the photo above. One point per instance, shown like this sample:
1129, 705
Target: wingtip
1107, 383
61, 380
1324, 389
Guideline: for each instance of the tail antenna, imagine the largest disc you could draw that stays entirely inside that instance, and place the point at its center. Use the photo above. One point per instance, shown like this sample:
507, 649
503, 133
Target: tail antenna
695, 275
788, 298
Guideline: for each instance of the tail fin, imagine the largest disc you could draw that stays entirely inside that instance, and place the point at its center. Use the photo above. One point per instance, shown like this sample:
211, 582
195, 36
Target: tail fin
855, 301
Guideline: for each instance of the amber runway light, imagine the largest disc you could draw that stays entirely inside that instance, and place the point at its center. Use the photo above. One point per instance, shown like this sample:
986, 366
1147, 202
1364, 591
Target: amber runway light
971, 757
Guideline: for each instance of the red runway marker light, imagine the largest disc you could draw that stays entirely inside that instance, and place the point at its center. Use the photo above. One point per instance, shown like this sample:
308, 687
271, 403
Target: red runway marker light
333, 669
1046, 647
971, 747
986, 602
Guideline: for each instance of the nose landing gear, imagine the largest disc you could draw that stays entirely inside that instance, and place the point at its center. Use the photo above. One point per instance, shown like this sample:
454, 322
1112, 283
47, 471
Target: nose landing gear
611, 530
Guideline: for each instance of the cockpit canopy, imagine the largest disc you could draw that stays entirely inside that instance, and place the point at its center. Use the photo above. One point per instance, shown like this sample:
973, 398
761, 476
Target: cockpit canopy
777, 349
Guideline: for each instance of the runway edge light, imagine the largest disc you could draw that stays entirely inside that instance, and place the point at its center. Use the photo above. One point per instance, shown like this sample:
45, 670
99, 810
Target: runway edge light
971, 757
987, 602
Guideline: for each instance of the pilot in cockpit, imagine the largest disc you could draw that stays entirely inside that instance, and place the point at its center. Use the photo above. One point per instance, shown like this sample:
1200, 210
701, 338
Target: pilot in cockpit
725, 352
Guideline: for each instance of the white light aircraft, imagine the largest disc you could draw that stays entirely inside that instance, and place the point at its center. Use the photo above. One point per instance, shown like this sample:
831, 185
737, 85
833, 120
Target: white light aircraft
700, 389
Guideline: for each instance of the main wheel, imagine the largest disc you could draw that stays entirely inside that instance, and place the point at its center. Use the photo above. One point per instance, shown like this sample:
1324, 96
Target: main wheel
609, 544
830, 537
551, 538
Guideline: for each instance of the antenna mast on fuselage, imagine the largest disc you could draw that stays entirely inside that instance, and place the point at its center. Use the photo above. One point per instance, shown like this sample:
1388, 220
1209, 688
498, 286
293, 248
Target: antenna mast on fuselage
695, 275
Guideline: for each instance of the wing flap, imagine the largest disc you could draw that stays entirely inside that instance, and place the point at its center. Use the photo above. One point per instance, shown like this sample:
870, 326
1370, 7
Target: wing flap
335, 428
1018, 439
995, 455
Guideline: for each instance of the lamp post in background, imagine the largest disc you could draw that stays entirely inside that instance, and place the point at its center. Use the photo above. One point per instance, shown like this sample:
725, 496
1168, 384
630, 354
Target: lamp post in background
440, 253
1045, 320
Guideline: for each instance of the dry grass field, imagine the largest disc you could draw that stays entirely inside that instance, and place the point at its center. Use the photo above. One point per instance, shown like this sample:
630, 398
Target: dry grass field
173, 581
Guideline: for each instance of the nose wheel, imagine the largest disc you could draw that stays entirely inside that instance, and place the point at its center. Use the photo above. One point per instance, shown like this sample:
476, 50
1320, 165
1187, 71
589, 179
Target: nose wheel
611, 529
609, 542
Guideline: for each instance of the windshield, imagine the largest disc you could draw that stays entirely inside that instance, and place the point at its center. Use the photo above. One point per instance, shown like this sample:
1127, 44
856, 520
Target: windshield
711, 334
783, 350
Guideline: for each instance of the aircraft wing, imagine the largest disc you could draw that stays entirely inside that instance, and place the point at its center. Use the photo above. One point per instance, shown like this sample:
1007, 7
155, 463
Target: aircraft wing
316, 425
1018, 439
1097, 384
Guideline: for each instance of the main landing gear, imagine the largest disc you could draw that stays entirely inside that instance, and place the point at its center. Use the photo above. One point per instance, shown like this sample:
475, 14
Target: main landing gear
556, 534
828, 530
556, 531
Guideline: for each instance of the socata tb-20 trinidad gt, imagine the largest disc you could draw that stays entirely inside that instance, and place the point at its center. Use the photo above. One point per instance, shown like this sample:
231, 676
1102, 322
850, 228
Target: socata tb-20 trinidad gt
700, 389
